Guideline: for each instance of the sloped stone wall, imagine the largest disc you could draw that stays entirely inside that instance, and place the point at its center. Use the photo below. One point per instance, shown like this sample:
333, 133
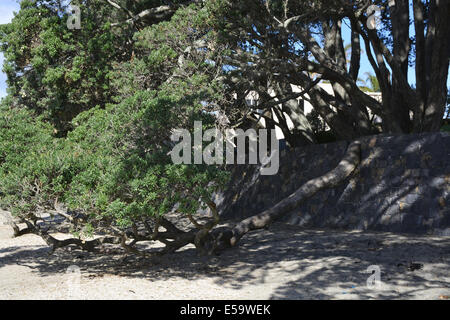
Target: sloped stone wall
402, 185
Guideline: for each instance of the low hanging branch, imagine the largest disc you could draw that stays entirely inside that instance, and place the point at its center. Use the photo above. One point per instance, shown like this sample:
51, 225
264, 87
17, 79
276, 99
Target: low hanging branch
230, 237
173, 238
54, 243
208, 239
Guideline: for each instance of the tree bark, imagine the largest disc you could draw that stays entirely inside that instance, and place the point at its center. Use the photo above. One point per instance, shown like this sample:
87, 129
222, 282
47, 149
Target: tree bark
302, 133
225, 238
437, 55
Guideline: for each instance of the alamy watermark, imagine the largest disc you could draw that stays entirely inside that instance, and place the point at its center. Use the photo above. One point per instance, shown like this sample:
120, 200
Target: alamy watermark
74, 20
73, 282
214, 153
374, 280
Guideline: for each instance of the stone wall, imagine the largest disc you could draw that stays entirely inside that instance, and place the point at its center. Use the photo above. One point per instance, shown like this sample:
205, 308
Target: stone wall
402, 185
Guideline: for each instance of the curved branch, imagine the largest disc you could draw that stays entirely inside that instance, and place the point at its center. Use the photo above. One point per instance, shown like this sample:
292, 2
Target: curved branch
226, 237
333, 178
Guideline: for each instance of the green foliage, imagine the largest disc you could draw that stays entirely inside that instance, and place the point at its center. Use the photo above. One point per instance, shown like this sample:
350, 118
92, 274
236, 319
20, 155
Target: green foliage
113, 166
371, 83
26, 144
56, 71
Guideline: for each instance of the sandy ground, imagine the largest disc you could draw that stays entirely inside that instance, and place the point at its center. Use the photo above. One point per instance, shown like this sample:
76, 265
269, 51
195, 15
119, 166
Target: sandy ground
283, 262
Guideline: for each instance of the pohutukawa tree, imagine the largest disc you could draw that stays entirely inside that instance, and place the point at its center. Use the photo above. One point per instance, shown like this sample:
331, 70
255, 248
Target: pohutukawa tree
85, 130
111, 176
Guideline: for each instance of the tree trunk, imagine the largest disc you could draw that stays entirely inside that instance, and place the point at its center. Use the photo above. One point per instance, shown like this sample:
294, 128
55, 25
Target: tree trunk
225, 238
302, 133
437, 55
